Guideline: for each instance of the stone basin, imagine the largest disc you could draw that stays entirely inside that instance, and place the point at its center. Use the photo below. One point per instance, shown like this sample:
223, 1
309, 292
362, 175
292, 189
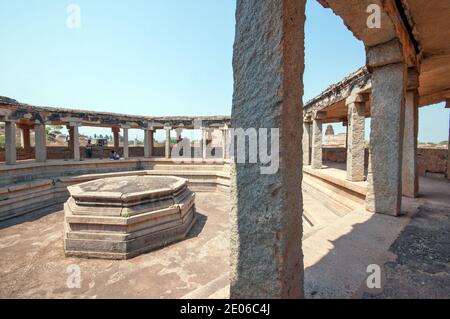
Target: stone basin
122, 217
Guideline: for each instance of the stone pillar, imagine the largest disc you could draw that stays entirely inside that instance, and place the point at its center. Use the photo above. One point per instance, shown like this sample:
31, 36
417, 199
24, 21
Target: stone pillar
10, 143
71, 139
410, 171
306, 140
148, 143
179, 130
224, 143
116, 139
167, 148
384, 184
126, 153
448, 157
204, 143
40, 143
26, 140
75, 141
266, 209
316, 152
356, 137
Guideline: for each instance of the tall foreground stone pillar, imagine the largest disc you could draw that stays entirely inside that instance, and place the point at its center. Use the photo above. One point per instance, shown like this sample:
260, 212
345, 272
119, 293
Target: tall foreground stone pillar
410, 171
316, 152
10, 143
167, 151
148, 143
306, 140
356, 137
384, 184
266, 213
126, 153
40, 143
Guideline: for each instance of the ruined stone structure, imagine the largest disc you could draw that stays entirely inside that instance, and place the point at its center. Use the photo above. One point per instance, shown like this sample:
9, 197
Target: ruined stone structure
27, 117
122, 217
408, 65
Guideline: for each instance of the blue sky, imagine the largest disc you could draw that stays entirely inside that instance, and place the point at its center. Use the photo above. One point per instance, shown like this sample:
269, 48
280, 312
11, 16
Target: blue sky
148, 57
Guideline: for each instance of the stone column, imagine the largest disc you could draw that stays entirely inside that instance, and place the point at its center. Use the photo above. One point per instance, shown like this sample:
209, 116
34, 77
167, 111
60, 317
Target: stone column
448, 157
356, 137
224, 143
384, 184
316, 152
40, 143
26, 140
10, 143
75, 141
410, 171
266, 208
167, 148
179, 130
71, 138
204, 143
126, 153
116, 131
148, 143
306, 140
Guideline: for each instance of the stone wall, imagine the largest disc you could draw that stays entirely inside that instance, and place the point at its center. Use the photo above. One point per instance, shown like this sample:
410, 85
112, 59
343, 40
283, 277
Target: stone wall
430, 160
62, 152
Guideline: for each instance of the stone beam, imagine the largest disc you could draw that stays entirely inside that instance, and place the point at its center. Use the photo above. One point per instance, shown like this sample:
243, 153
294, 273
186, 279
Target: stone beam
266, 209
54, 115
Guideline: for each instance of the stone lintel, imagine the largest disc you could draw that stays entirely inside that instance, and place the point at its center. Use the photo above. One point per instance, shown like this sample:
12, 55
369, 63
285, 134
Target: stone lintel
307, 118
412, 81
320, 115
383, 54
357, 98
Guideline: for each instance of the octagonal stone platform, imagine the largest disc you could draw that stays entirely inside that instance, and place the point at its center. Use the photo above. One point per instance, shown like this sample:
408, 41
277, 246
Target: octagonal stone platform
122, 217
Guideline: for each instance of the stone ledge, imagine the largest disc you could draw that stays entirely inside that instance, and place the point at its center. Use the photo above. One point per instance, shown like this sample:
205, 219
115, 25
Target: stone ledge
334, 176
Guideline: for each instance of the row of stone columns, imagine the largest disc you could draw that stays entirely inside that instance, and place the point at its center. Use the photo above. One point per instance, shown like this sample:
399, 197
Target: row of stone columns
10, 142
393, 169
74, 144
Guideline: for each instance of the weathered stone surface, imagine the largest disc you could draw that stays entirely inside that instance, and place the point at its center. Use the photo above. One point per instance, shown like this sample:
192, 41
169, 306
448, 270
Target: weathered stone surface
10, 143
126, 153
266, 214
356, 142
385, 164
410, 171
316, 154
386, 53
122, 217
306, 143
40, 140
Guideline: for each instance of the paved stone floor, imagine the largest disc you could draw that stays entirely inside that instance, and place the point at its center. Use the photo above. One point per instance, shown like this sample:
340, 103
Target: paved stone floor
414, 250
33, 264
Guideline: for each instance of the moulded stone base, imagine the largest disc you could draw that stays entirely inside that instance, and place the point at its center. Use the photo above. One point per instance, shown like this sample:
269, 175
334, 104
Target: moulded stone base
122, 217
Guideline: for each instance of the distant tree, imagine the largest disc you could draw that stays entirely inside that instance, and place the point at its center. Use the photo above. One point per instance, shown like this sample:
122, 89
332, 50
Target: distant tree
443, 143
